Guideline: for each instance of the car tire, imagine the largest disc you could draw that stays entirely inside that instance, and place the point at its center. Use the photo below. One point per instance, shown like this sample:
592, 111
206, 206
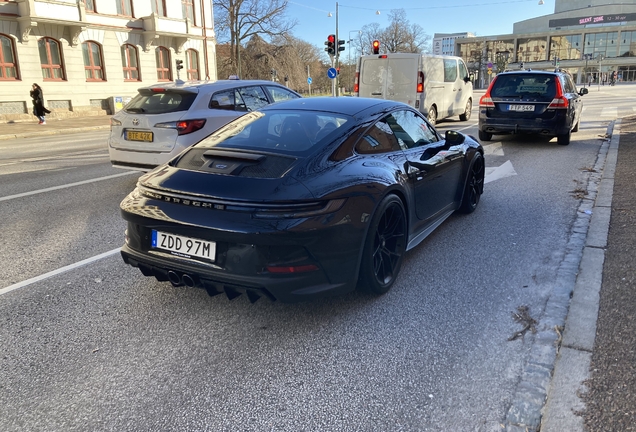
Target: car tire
564, 139
432, 115
384, 247
466, 115
474, 185
576, 126
484, 136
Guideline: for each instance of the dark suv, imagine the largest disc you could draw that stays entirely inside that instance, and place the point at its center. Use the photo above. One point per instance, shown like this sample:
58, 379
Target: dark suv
534, 102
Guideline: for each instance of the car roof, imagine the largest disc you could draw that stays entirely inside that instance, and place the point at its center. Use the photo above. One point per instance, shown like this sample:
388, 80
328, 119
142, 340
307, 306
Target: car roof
527, 71
342, 105
208, 84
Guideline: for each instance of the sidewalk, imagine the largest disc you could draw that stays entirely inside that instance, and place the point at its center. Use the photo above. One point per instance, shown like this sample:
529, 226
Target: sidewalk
53, 126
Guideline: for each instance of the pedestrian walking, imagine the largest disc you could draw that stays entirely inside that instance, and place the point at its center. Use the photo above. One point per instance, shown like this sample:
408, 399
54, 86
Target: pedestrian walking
38, 103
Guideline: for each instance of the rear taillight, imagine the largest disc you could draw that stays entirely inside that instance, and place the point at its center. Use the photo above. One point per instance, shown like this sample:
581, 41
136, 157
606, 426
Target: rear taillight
183, 127
420, 82
292, 269
486, 100
559, 101
356, 84
114, 122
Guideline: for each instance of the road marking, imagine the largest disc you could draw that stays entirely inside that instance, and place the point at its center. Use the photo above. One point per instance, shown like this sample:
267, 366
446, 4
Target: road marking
496, 173
609, 112
58, 271
83, 182
494, 149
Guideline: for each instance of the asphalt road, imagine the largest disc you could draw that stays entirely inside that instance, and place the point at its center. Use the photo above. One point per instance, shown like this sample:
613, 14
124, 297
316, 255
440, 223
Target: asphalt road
100, 347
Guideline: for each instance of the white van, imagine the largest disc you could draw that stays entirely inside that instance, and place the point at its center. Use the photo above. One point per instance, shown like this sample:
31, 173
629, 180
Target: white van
438, 86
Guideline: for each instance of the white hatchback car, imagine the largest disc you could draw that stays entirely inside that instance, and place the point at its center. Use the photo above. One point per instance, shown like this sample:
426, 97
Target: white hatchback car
164, 119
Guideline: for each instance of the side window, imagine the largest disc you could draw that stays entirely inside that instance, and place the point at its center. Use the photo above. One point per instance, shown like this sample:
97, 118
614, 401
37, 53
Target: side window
223, 100
280, 94
450, 70
253, 98
411, 130
378, 139
463, 72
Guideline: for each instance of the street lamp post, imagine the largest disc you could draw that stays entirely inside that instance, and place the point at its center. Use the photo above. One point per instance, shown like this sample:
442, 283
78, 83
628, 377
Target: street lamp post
600, 58
350, 75
587, 57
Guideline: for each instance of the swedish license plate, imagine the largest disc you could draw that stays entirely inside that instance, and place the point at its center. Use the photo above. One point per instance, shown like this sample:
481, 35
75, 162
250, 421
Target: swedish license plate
186, 247
139, 136
521, 107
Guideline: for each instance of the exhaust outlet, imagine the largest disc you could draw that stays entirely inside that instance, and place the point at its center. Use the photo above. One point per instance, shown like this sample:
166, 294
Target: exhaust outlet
188, 281
174, 279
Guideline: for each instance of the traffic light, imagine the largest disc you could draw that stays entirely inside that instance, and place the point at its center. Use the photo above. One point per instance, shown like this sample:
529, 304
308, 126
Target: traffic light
331, 44
337, 71
179, 64
376, 47
341, 45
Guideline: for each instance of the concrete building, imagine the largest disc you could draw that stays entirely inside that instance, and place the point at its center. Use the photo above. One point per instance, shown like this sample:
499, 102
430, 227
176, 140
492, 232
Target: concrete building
589, 38
444, 43
90, 55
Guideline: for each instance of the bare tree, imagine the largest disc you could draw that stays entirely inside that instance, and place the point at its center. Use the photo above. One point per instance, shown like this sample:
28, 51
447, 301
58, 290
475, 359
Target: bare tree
399, 36
239, 20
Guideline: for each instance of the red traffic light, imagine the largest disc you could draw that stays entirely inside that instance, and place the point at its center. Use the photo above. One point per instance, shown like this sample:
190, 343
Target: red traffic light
376, 47
331, 38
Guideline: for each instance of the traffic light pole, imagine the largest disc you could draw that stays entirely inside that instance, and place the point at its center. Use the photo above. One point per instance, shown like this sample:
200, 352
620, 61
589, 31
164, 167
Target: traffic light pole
336, 88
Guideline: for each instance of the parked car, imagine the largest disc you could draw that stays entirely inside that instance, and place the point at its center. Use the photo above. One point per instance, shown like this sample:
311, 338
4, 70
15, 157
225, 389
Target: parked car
301, 199
164, 119
535, 102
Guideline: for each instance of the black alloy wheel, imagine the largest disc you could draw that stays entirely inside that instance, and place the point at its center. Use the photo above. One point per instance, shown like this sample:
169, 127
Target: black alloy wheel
474, 185
384, 247
466, 115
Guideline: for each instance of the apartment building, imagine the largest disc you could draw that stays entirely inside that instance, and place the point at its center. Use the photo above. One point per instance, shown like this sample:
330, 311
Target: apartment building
90, 55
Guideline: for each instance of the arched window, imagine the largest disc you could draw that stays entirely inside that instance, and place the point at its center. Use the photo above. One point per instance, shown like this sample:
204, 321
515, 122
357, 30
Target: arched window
130, 62
192, 64
51, 59
8, 68
93, 63
164, 73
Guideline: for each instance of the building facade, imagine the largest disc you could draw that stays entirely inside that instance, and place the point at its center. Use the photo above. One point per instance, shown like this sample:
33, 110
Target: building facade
444, 43
591, 39
91, 55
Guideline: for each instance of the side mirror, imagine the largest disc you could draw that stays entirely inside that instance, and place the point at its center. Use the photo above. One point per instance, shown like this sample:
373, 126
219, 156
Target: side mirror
583, 91
466, 79
454, 137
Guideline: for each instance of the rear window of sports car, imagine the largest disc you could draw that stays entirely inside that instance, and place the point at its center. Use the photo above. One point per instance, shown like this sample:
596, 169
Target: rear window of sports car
160, 101
278, 131
524, 85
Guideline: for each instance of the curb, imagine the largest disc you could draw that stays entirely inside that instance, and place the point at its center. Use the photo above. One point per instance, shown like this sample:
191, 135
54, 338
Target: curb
572, 365
546, 396
52, 132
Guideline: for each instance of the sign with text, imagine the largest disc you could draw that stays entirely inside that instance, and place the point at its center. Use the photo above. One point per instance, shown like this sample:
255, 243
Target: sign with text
593, 19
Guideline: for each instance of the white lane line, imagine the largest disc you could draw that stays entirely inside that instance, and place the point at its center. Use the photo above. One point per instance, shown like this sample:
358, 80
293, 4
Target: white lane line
39, 191
609, 112
58, 271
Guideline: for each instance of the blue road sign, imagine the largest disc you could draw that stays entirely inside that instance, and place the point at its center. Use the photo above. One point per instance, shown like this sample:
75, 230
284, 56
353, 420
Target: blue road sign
309, 80
332, 73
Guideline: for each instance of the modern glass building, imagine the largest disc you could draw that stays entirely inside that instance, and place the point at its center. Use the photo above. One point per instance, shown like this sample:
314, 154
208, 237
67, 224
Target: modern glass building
589, 38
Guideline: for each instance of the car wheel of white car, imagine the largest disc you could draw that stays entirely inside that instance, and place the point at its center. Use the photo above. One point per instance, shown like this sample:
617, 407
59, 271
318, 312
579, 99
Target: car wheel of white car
432, 115
466, 115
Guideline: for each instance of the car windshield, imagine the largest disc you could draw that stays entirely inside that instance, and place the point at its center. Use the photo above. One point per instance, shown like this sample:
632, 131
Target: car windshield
293, 132
160, 101
524, 85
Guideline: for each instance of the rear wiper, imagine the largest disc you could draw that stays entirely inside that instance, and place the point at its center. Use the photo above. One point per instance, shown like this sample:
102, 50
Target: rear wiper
139, 110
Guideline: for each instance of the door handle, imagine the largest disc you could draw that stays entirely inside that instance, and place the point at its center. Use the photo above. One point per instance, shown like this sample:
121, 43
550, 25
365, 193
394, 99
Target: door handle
376, 93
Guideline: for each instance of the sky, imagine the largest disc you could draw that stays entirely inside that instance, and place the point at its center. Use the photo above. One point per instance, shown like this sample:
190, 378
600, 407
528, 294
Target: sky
482, 17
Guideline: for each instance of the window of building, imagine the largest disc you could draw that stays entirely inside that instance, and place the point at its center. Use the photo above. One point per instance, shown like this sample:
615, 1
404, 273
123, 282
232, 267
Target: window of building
192, 64
158, 7
124, 7
8, 68
566, 47
605, 44
627, 44
130, 62
164, 73
531, 49
51, 59
188, 10
89, 5
93, 63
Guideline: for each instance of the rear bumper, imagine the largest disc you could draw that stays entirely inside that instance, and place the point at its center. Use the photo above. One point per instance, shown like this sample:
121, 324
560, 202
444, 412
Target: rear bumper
142, 161
558, 125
